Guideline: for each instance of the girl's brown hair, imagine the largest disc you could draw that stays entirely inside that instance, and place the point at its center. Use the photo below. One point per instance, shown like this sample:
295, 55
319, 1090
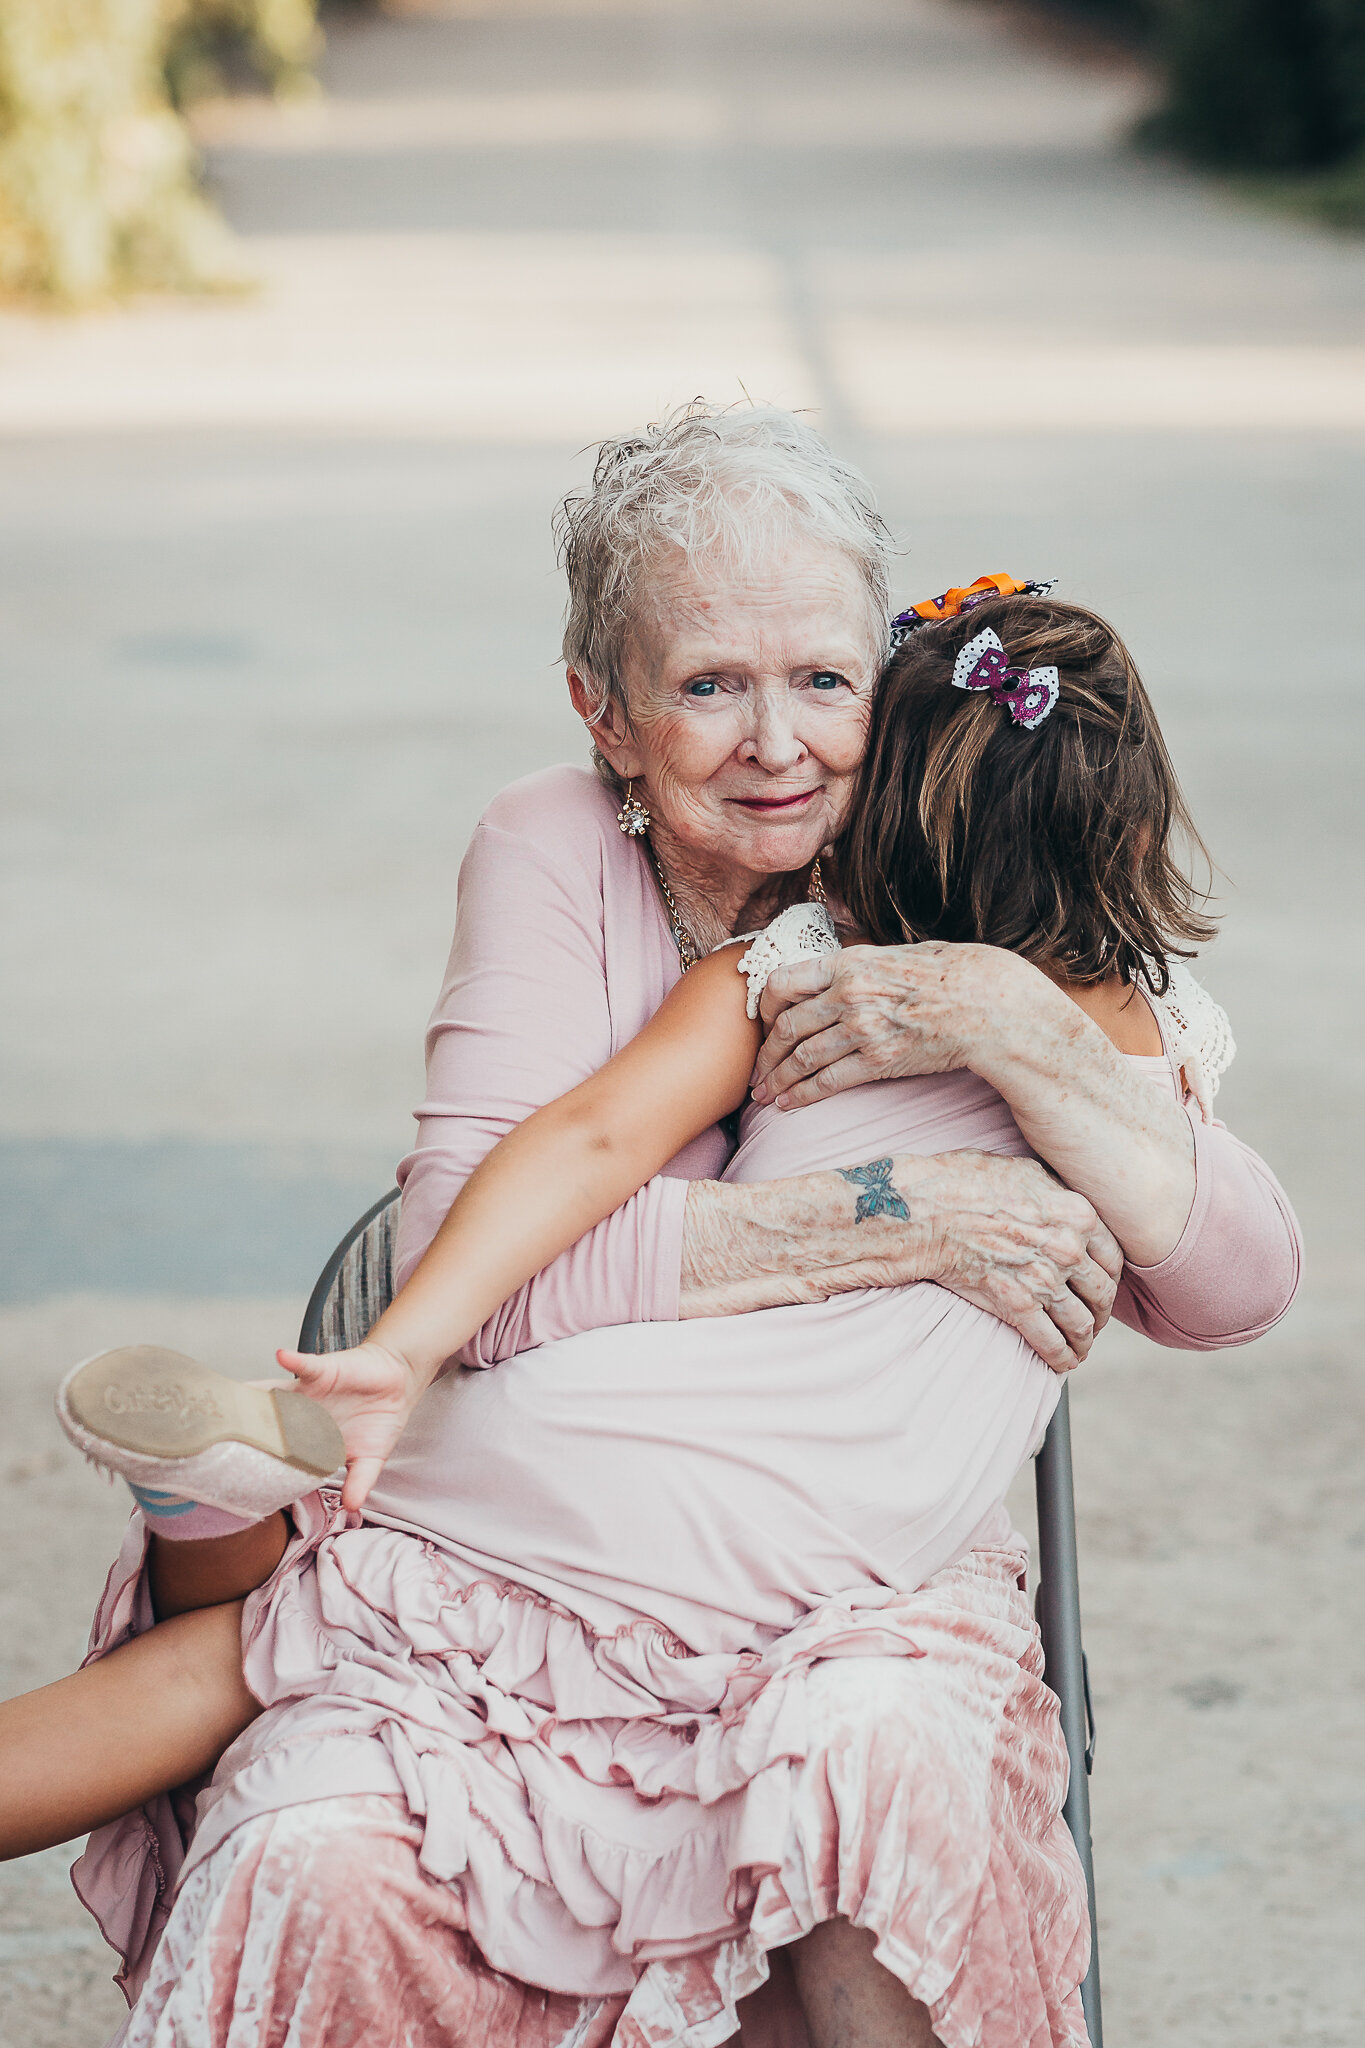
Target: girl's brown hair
1053, 843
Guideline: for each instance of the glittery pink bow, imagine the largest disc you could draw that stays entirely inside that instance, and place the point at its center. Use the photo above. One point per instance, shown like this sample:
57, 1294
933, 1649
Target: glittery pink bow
1028, 694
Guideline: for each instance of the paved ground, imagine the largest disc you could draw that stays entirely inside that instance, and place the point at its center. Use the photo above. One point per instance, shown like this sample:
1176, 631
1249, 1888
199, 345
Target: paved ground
281, 613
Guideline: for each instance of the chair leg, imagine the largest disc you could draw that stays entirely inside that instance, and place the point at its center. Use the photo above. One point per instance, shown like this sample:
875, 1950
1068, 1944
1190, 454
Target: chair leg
1059, 1621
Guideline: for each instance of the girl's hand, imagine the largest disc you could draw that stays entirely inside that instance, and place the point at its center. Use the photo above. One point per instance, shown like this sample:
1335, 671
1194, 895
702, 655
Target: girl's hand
369, 1393
880, 1013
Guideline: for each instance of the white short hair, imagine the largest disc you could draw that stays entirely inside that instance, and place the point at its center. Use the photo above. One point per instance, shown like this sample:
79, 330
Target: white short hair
711, 483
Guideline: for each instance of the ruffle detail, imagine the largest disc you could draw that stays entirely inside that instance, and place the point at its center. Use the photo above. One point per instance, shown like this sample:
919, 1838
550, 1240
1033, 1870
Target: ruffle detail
620, 1817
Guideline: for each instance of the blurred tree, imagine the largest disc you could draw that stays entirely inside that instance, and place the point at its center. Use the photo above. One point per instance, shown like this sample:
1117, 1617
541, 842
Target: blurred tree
1122, 14
1271, 88
211, 39
1275, 85
1264, 84
98, 191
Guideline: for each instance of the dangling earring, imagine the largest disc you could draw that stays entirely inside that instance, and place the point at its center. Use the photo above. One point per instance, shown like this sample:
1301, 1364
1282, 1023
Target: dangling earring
632, 817
817, 883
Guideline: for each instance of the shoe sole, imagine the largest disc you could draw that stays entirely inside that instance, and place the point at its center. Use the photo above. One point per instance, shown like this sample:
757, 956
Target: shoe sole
164, 1405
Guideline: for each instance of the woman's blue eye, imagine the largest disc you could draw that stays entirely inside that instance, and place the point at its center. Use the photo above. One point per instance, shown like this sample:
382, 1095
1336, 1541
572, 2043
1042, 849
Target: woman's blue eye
825, 679
704, 688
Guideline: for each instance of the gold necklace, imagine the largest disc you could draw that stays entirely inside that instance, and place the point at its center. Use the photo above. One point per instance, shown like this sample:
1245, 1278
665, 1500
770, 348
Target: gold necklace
682, 937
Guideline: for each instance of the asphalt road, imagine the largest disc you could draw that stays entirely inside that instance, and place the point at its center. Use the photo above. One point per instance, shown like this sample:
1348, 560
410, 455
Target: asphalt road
280, 614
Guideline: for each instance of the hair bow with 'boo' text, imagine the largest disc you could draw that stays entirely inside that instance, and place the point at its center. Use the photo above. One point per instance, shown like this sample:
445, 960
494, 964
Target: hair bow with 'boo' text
1028, 694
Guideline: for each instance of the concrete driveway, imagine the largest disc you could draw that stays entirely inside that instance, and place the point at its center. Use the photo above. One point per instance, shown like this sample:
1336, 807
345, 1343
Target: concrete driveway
280, 614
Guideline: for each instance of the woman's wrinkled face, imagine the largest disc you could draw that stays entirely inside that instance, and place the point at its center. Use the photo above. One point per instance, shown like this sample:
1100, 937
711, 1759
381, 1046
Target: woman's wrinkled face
749, 697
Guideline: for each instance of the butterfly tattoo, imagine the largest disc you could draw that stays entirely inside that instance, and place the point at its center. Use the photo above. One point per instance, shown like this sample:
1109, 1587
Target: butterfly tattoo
878, 1197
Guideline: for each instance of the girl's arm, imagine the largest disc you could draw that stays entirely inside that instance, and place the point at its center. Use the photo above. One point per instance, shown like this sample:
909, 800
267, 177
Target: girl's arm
524, 1015
563, 1170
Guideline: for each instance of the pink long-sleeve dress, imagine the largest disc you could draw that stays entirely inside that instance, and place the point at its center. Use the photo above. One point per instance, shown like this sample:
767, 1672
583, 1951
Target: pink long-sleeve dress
663, 1641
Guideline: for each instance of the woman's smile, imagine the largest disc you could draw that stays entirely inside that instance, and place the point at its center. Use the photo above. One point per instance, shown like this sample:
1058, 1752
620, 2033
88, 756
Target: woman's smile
787, 802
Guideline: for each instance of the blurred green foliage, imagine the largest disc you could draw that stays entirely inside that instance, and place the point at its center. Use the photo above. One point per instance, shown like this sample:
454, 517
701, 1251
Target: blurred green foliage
1274, 85
213, 42
1273, 88
98, 186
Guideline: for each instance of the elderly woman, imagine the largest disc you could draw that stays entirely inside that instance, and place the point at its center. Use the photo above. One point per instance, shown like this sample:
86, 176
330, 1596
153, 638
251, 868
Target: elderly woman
484, 1803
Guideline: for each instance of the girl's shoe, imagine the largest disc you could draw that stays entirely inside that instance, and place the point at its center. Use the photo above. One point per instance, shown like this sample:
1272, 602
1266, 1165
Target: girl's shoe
185, 1436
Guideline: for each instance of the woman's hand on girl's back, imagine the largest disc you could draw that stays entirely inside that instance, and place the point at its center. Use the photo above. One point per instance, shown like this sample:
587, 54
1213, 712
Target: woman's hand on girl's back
369, 1392
1004, 1234
877, 1013
1001, 1232
1014, 1241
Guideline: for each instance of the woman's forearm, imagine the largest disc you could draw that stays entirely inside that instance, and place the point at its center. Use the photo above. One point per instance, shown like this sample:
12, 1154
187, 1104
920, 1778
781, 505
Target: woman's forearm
1099, 1125
1000, 1232
766, 1244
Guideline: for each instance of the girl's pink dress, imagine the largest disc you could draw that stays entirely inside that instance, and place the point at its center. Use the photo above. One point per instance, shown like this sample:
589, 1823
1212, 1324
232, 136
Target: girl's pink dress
664, 1641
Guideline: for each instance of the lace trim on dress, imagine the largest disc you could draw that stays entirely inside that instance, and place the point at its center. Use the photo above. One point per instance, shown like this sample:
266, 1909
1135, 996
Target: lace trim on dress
801, 933
1198, 1034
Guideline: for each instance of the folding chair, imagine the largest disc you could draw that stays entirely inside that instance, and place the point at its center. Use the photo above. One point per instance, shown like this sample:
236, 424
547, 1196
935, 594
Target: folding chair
1059, 1623
356, 1286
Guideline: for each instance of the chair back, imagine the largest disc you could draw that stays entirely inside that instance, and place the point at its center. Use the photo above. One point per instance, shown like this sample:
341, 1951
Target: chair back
356, 1285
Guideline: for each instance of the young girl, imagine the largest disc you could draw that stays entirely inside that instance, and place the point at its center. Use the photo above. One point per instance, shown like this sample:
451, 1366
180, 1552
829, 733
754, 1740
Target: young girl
1015, 793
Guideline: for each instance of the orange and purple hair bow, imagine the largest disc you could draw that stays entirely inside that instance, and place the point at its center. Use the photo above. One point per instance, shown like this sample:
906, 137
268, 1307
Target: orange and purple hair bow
961, 598
1028, 694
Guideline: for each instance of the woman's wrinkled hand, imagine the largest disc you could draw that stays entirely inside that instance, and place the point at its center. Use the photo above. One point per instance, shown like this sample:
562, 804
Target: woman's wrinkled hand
999, 1231
877, 1013
1017, 1243
369, 1392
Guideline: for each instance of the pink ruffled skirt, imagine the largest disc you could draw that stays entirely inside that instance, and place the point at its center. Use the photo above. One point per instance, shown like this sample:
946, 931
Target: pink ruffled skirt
467, 1820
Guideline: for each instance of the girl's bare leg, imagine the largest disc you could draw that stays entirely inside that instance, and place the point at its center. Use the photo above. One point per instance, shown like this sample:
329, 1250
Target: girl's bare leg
187, 1575
151, 1715
849, 2000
